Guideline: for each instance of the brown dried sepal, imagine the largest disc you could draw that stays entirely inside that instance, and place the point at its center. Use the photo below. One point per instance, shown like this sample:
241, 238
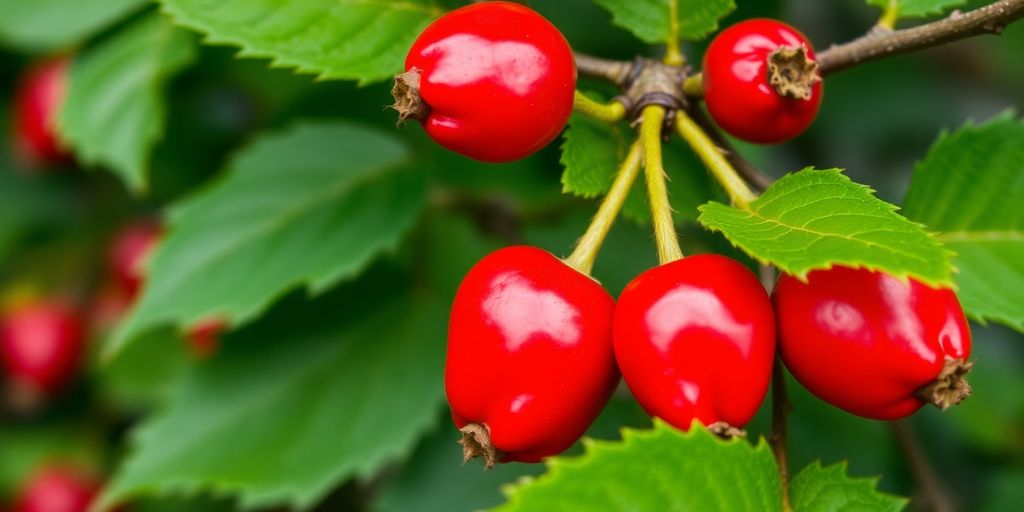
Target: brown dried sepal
950, 387
792, 72
725, 430
408, 102
476, 442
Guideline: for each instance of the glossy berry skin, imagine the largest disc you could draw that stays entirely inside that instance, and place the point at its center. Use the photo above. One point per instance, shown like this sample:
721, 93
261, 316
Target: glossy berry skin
867, 341
736, 89
36, 106
498, 79
695, 339
57, 489
529, 352
128, 252
41, 343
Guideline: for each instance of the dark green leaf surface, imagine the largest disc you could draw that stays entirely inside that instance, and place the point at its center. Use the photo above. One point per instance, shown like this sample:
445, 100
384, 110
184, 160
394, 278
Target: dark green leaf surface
310, 206
348, 39
678, 471
290, 414
829, 489
815, 219
115, 112
649, 19
47, 25
970, 188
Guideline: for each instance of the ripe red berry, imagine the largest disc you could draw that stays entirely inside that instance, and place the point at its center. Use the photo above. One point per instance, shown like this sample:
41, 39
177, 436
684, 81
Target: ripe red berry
695, 339
36, 105
41, 342
871, 343
530, 362
738, 81
57, 489
128, 253
496, 81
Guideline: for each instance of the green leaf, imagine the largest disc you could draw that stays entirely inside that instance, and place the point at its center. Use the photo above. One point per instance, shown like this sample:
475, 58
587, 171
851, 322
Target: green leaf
348, 39
286, 412
678, 471
310, 206
817, 488
918, 8
970, 188
815, 219
114, 113
47, 25
649, 19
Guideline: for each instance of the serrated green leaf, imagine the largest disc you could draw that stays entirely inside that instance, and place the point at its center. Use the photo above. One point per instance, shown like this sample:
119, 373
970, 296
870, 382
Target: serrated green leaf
970, 188
310, 206
114, 113
649, 19
815, 219
816, 489
286, 411
679, 471
347, 39
47, 25
918, 8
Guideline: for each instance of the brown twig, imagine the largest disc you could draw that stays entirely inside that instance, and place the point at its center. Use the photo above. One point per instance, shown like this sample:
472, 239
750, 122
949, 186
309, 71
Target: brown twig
780, 404
931, 496
990, 19
749, 171
615, 71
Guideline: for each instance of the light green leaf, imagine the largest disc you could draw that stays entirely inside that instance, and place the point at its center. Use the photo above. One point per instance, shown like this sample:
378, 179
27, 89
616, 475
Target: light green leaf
658, 469
47, 25
310, 206
817, 489
649, 19
348, 39
287, 412
815, 219
918, 8
970, 188
114, 113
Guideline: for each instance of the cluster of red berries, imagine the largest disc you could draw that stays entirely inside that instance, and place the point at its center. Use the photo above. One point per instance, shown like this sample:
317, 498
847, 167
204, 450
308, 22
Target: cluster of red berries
536, 348
495, 81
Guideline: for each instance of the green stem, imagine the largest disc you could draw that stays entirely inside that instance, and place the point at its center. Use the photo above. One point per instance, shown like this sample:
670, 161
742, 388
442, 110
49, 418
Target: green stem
673, 53
583, 256
723, 171
657, 191
608, 112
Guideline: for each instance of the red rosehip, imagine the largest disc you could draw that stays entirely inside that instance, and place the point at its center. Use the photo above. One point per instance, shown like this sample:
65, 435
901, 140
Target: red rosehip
36, 106
41, 343
872, 344
57, 489
695, 339
128, 253
496, 81
738, 81
530, 362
